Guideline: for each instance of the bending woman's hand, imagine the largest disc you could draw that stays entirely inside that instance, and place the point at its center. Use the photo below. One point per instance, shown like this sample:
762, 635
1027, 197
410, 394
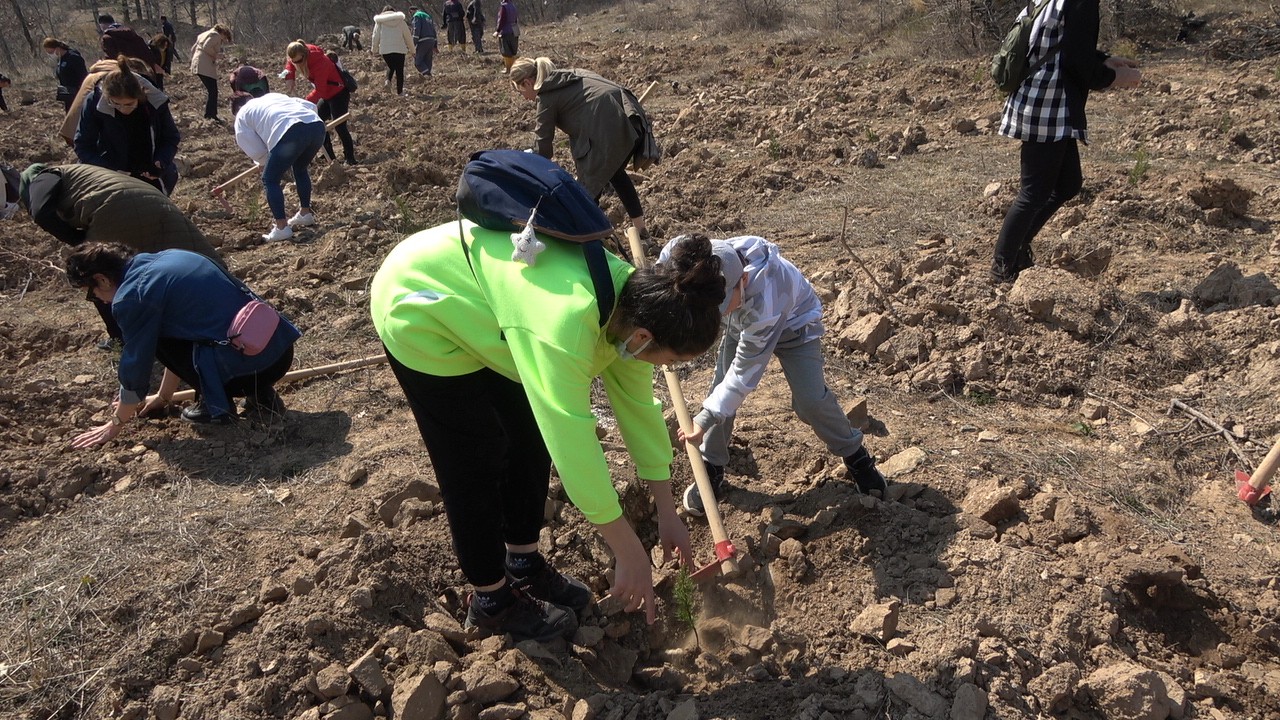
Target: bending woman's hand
633, 578
96, 436
673, 534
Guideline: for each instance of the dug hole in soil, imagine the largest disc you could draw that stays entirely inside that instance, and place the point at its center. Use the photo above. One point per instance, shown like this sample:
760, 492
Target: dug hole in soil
1058, 539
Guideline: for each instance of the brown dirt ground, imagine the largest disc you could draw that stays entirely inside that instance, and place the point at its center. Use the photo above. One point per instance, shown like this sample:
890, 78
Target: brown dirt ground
190, 574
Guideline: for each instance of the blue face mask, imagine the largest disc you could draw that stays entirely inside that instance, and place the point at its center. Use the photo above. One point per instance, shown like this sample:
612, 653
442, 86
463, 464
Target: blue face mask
626, 354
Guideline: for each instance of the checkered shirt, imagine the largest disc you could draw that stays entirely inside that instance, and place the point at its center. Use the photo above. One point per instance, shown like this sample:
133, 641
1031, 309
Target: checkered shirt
1037, 110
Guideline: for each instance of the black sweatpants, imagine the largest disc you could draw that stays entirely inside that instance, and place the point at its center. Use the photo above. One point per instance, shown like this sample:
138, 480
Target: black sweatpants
175, 355
211, 96
395, 67
490, 460
336, 107
1051, 176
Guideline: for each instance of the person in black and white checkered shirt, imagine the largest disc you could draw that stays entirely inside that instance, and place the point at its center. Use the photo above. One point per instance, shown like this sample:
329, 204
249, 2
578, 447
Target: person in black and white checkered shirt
1047, 114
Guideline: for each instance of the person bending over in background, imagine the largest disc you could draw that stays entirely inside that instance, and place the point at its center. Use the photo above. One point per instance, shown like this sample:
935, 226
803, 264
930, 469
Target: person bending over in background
328, 91
497, 361
1047, 114
605, 123
351, 38
770, 309
70, 70
126, 125
175, 307
279, 132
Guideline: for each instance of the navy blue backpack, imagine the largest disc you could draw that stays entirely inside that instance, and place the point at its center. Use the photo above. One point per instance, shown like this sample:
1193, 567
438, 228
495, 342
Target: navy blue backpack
499, 189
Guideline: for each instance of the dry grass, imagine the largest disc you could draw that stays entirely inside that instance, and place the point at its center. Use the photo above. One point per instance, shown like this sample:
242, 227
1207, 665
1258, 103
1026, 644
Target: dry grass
122, 566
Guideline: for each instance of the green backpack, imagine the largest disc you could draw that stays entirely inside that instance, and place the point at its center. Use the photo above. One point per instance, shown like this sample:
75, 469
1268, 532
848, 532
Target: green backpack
1009, 66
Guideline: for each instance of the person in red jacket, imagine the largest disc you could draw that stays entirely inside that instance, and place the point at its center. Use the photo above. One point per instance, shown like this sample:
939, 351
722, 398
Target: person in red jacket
329, 93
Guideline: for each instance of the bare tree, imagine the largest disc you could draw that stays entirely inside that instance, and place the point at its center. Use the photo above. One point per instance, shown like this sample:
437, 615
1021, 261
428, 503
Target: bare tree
26, 30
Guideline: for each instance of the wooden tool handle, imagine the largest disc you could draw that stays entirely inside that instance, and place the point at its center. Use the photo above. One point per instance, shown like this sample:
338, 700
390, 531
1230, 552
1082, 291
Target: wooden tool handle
1262, 475
305, 373
337, 121
729, 565
645, 94
236, 179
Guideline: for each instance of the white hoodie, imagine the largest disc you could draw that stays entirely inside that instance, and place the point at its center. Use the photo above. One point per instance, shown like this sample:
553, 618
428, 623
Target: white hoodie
391, 34
779, 307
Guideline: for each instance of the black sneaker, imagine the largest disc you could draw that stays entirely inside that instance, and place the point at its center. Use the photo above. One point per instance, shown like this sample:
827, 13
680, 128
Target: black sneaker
526, 619
862, 467
198, 414
554, 587
1003, 274
693, 499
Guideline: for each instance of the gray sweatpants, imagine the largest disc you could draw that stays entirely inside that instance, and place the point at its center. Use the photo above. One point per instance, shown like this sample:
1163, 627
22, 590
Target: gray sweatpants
811, 400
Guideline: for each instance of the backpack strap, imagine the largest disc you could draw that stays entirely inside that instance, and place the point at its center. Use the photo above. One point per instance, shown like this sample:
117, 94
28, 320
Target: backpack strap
601, 280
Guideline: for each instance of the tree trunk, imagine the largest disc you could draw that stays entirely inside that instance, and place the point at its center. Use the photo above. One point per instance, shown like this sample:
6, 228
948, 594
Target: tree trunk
192, 7
26, 31
137, 6
8, 55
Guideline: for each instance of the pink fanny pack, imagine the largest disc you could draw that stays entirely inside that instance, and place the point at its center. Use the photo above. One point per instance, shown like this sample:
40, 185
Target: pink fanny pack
253, 327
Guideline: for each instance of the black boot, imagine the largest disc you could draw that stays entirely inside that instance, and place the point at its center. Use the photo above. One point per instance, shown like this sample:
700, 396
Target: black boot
862, 467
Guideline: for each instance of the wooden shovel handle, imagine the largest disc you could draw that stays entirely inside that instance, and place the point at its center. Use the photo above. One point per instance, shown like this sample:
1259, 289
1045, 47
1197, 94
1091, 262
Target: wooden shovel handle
217, 190
1267, 469
305, 373
729, 565
645, 94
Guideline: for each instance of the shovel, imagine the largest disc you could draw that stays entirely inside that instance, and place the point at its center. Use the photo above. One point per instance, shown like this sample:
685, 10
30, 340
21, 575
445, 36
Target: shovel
1252, 489
725, 562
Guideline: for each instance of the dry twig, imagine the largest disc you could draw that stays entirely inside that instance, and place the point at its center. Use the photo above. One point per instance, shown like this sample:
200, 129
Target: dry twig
1225, 433
884, 295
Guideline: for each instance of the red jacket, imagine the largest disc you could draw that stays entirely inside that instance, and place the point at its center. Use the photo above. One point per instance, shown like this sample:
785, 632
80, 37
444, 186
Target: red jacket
322, 73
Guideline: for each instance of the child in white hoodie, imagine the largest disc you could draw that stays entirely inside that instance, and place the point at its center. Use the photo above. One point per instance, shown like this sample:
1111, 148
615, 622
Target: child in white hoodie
770, 309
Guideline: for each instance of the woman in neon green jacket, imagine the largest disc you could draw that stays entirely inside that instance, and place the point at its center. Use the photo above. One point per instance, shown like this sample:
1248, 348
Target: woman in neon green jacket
497, 360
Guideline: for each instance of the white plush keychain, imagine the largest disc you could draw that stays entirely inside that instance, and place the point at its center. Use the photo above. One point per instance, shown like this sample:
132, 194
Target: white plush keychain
526, 242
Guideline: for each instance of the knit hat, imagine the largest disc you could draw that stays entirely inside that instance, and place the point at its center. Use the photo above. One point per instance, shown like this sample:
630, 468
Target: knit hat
24, 185
731, 266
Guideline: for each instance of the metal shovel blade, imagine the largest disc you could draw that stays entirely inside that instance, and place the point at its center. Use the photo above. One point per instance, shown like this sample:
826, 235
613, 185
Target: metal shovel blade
1247, 492
724, 551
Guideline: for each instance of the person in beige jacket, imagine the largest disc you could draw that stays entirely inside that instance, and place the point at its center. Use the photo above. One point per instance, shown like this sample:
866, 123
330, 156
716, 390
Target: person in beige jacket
392, 40
204, 62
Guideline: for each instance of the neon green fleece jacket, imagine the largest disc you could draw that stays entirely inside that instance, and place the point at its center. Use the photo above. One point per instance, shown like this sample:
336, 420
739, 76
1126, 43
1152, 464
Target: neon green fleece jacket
538, 325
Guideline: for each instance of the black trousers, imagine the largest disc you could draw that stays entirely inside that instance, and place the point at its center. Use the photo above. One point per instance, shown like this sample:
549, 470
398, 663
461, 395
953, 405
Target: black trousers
336, 107
1051, 176
395, 66
211, 96
621, 183
490, 460
175, 355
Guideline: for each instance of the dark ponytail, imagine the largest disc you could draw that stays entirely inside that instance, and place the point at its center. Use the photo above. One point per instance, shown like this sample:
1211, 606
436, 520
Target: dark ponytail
122, 82
679, 300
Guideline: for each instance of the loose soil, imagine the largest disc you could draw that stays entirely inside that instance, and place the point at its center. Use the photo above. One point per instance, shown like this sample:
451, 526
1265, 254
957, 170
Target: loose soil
1059, 540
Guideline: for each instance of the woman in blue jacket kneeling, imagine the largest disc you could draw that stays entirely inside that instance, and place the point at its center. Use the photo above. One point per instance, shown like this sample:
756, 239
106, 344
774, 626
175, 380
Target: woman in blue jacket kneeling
175, 306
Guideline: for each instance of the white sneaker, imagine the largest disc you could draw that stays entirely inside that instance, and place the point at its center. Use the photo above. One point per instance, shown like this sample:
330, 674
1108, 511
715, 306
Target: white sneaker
278, 233
302, 219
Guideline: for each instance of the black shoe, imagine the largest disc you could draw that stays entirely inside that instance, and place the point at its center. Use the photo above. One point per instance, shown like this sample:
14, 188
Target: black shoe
862, 467
526, 619
1025, 259
554, 587
109, 343
693, 499
1003, 274
266, 403
198, 414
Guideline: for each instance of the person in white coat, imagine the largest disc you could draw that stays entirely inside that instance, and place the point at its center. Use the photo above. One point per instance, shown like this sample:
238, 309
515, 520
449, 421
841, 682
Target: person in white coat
279, 133
770, 309
392, 40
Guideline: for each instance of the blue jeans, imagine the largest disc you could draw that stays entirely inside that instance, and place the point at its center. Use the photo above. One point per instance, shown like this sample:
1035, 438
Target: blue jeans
295, 150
